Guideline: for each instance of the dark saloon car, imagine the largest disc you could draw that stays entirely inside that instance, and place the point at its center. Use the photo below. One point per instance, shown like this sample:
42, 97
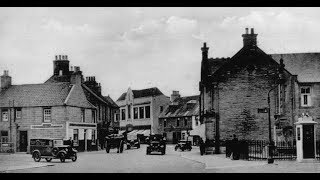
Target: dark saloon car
183, 145
51, 149
114, 141
132, 141
157, 143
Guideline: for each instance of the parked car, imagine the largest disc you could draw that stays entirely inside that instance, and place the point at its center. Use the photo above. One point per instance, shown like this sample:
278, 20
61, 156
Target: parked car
132, 141
114, 141
51, 149
183, 145
157, 143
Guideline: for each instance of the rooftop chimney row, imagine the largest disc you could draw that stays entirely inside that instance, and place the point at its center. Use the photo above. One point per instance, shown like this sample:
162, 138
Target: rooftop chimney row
61, 57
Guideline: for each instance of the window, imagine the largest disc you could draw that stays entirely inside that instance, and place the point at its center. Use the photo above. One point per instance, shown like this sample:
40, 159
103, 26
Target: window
93, 116
305, 96
165, 123
183, 135
161, 109
83, 115
93, 138
147, 111
5, 115
185, 121
76, 137
178, 122
123, 114
47, 115
117, 117
4, 136
135, 113
129, 111
197, 121
141, 112
18, 113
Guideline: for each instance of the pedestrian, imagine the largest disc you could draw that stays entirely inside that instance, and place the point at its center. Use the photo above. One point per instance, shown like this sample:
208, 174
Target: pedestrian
202, 146
234, 145
229, 147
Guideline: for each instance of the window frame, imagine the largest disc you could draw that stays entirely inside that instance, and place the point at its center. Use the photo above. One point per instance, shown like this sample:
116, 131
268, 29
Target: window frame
143, 112
135, 112
149, 113
305, 97
164, 123
123, 114
5, 111
45, 115
2, 137
178, 122
83, 115
16, 112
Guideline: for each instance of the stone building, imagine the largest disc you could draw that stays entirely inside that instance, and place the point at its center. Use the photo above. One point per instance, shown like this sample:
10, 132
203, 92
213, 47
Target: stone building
180, 119
141, 108
234, 91
106, 107
48, 110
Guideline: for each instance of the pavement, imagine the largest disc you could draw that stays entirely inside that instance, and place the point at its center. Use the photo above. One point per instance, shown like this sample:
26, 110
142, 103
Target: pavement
17, 161
136, 160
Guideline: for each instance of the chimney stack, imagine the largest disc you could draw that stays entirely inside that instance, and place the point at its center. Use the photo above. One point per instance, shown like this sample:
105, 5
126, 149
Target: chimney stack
5, 80
249, 40
61, 63
204, 50
174, 95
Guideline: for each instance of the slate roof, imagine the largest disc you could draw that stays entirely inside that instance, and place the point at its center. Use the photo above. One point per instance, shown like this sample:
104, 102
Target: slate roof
57, 79
142, 93
108, 98
47, 94
182, 107
50, 94
305, 65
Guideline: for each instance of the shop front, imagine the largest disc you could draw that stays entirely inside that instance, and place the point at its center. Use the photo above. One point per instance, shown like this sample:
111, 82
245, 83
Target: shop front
84, 135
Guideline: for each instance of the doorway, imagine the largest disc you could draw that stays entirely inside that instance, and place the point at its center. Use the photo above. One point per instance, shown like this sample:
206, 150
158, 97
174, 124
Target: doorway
308, 141
23, 144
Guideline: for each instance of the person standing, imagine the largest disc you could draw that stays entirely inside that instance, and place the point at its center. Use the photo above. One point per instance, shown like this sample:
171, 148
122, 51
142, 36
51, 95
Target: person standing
234, 149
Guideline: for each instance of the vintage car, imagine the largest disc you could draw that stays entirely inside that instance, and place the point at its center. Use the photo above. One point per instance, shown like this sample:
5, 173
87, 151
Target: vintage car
132, 141
51, 149
183, 145
114, 141
157, 143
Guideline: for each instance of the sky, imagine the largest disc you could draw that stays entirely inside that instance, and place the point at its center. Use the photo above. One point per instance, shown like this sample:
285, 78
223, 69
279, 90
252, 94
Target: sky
144, 47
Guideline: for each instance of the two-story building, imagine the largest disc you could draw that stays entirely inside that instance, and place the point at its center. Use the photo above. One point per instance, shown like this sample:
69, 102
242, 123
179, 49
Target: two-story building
106, 107
180, 119
141, 108
48, 110
234, 92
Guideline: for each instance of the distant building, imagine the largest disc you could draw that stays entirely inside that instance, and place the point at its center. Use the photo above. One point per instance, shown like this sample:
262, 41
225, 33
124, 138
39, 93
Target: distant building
49, 110
234, 91
141, 108
106, 107
180, 119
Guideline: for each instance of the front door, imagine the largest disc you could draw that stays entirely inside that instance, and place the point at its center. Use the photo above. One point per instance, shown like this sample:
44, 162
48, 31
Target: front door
308, 141
23, 141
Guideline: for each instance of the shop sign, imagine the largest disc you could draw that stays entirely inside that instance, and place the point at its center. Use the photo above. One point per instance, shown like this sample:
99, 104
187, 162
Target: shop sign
47, 126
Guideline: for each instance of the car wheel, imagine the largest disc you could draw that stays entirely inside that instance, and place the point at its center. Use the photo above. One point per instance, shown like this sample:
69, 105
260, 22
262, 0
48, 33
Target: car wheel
148, 152
138, 146
128, 146
62, 157
48, 159
107, 150
121, 148
74, 158
176, 148
36, 156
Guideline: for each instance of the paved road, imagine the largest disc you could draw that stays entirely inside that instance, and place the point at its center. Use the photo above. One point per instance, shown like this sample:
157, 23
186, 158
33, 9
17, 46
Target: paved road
130, 161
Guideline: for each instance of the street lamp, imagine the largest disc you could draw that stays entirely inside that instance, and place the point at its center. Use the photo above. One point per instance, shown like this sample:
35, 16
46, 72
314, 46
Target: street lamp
280, 81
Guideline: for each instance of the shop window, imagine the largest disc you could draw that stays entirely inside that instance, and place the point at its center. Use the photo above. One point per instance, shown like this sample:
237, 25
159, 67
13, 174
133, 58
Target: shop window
147, 111
4, 136
5, 115
47, 115
18, 113
141, 112
76, 137
135, 113
306, 96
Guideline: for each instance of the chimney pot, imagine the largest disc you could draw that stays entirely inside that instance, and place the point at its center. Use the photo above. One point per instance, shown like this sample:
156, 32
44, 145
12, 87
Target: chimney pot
66, 57
247, 30
252, 31
56, 57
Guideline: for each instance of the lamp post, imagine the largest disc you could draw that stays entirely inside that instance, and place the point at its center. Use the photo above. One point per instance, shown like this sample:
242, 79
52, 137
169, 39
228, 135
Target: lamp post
271, 144
280, 80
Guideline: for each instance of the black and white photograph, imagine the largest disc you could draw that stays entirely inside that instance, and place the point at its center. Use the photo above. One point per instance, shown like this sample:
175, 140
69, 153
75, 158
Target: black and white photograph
159, 90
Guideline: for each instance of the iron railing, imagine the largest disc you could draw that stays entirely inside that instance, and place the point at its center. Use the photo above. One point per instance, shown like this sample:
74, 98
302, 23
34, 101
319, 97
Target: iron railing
258, 149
